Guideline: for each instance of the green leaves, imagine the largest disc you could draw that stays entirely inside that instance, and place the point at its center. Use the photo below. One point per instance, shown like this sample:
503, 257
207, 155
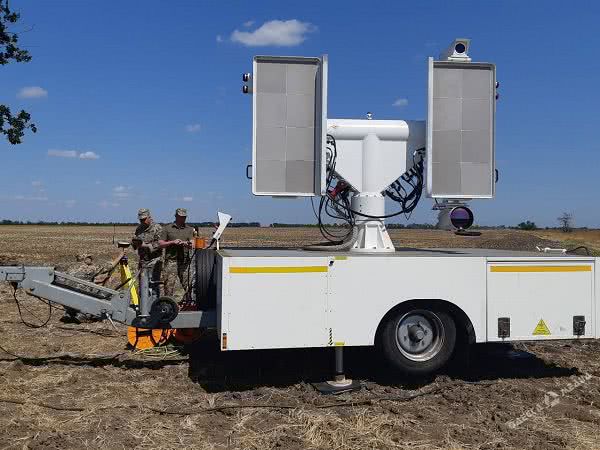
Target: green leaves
9, 49
13, 127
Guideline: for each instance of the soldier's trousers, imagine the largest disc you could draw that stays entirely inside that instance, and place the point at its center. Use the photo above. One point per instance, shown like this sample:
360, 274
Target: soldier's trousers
177, 279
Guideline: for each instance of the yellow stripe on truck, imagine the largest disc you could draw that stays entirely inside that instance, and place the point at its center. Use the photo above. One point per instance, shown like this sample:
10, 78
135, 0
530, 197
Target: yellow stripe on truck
278, 269
585, 268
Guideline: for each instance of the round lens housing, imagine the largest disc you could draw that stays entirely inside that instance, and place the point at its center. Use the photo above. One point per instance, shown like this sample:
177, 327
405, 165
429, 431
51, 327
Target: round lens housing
461, 217
460, 47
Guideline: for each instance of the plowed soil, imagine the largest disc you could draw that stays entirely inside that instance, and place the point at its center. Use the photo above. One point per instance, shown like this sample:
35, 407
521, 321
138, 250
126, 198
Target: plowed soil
70, 385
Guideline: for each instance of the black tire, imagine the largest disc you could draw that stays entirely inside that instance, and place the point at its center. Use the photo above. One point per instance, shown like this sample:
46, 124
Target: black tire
437, 348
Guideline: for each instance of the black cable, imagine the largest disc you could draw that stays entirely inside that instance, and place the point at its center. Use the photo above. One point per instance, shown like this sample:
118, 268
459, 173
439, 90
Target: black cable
330, 208
587, 250
123, 283
31, 325
408, 201
11, 353
47, 302
312, 204
387, 216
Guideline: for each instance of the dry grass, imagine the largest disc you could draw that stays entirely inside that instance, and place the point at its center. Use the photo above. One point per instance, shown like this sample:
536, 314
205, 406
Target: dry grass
120, 399
588, 238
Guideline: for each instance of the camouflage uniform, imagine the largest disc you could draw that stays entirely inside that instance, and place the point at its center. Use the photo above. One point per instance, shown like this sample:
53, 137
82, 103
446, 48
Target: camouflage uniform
178, 258
150, 259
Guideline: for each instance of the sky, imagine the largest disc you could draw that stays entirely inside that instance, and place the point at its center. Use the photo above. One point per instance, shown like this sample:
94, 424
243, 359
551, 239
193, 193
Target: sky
139, 103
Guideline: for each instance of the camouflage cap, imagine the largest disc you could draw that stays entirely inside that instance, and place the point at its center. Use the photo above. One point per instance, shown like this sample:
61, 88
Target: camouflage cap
181, 212
143, 213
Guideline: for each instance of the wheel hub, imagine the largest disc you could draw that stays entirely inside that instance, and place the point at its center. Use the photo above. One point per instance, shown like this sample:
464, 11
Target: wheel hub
416, 333
419, 335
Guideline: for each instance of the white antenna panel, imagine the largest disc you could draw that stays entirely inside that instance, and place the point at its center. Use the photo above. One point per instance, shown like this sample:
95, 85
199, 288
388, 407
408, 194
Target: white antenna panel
289, 125
460, 130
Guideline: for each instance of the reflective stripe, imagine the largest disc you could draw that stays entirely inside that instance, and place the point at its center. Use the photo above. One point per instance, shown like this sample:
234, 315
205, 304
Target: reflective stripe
278, 269
541, 268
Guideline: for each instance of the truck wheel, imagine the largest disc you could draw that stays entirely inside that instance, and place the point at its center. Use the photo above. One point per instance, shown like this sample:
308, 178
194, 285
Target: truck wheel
418, 341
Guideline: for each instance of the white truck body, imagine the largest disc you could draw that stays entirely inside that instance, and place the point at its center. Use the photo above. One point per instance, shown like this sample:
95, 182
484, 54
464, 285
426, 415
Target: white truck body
269, 299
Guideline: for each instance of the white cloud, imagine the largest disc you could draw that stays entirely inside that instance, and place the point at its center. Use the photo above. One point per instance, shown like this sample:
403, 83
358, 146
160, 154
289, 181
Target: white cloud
193, 128
36, 183
63, 153
73, 154
32, 92
248, 23
122, 191
70, 203
279, 33
89, 155
107, 204
219, 38
188, 199
400, 102
33, 198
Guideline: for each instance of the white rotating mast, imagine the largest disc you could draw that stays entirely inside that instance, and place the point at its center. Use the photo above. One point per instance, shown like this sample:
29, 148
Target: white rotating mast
372, 154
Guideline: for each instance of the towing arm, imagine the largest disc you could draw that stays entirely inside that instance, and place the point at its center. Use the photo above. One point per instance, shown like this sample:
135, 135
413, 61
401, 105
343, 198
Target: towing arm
90, 298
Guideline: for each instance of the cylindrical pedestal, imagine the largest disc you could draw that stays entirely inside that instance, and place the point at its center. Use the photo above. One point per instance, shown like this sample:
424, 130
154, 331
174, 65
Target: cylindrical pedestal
372, 235
339, 364
443, 222
145, 297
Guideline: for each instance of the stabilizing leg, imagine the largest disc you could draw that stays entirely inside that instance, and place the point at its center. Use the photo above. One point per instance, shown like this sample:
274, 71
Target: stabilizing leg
340, 383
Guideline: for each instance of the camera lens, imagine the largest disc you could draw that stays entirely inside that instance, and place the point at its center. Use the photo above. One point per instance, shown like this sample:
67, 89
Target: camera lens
461, 217
460, 47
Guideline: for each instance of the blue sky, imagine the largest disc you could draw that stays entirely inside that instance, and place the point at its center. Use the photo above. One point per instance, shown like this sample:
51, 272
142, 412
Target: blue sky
139, 103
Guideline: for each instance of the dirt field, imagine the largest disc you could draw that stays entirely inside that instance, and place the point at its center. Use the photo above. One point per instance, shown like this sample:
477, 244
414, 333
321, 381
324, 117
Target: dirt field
77, 386
588, 238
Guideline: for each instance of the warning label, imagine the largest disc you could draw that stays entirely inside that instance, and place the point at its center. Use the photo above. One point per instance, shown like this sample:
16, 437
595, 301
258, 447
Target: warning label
541, 329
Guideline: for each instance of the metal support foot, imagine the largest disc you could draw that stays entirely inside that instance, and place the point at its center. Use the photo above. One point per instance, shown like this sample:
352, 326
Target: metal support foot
340, 383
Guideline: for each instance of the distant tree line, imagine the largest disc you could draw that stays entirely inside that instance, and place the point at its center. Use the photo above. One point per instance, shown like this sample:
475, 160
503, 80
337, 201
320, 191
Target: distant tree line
231, 224
525, 225
410, 226
68, 223
293, 225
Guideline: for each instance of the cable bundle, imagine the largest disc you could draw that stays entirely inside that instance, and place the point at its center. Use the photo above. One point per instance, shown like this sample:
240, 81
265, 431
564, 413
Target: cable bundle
335, 209
408, 200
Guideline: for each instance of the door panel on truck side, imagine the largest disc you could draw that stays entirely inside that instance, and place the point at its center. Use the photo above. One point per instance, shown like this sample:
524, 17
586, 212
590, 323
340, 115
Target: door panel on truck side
362, 290
540, 298
270, 302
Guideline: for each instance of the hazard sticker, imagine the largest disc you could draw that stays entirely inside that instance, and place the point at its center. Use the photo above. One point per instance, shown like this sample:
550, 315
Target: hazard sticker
541, 329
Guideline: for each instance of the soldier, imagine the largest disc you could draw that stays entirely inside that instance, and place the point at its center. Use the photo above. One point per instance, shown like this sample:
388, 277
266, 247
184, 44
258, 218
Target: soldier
176, 238
146, 242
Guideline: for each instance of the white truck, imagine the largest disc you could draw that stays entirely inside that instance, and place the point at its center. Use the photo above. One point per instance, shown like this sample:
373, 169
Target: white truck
418, 305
